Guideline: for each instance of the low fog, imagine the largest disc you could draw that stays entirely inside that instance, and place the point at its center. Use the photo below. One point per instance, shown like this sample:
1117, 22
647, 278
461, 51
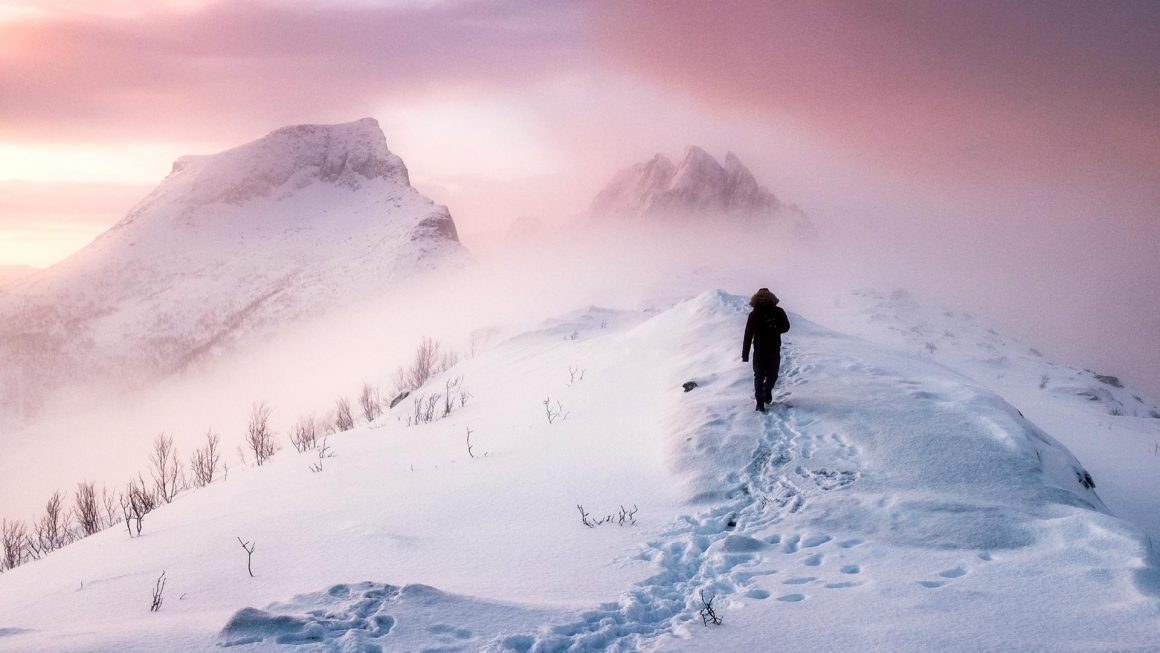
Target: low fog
563, 268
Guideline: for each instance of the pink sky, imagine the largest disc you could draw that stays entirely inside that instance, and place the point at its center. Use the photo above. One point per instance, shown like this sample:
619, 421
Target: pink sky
1014, 146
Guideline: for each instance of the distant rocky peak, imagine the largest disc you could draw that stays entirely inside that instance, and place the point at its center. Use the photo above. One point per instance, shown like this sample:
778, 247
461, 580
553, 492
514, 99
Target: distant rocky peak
347, 154
699, 187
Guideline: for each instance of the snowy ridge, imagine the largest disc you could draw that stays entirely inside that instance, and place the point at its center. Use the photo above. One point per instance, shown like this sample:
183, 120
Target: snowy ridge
883, 489
225, 250
697, 188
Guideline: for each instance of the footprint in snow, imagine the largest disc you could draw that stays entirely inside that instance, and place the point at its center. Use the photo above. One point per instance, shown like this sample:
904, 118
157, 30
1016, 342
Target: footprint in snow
816, 540
792, 598
842, 585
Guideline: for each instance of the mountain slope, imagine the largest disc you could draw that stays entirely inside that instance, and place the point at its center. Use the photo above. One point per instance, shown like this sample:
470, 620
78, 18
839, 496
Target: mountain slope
228, 248
886, 501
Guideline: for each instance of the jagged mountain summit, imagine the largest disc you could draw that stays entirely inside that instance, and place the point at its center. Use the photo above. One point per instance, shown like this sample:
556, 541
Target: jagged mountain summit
699, 188
229, 246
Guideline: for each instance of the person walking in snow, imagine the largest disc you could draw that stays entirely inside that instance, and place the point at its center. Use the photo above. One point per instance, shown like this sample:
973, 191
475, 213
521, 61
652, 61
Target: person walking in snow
767, 321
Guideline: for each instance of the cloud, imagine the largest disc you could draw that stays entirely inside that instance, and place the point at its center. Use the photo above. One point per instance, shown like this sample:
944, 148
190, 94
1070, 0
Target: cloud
959, 89
242, 67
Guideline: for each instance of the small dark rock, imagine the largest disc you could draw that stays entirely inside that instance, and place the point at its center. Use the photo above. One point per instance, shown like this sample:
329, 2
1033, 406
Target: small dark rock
1085, 479
689, 385
1110, 380
401, 396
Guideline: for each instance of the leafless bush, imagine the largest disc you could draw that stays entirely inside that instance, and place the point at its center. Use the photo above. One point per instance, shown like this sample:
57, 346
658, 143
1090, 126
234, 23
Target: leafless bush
708, 615
259, 437
575, 374
428, 361
158, 590
137, 502
51, 531
471, 448
165, 468
324, 452
87, 509
554, 413
343, 419
453, 394
370, 402
625, 518
304, 434
204, 462
13, 540
249, 548
109, 504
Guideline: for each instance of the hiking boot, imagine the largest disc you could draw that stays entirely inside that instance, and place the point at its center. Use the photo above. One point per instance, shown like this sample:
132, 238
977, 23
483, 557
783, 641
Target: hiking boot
761, 406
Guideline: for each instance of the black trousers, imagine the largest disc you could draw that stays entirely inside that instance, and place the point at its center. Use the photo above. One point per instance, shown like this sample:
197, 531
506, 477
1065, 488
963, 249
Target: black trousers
766, 365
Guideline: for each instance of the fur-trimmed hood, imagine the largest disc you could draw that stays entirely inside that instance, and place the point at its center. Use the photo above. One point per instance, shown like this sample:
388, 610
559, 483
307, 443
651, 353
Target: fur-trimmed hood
763, 297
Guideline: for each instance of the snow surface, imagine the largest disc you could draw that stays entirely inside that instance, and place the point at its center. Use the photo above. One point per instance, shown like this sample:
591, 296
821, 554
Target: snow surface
887, 502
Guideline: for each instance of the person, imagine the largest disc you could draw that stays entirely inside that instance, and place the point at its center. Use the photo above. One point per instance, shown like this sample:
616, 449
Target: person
767, 321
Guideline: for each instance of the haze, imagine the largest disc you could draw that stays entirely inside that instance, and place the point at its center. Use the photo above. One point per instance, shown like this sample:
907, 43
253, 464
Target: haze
1002, 157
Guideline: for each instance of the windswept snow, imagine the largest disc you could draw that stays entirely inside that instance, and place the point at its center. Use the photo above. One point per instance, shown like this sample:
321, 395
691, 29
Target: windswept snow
886, 502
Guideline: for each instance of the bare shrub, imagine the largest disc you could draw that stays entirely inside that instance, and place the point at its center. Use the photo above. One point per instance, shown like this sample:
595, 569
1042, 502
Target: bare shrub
249, 549
86, 508
13, 540
51, 531
259, 437
165, 468
370, 402
324, 452
454, 394
625, 518
428, 361
109, 502
204, 462
554, 413
137, 502
343, 419
304, 434
158, 590
708, 614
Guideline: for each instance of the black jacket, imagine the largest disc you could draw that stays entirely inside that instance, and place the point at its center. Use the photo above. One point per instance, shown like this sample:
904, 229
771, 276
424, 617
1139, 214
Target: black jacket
763, 329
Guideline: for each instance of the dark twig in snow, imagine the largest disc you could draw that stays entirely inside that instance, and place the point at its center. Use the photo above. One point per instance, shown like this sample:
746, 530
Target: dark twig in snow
249, 547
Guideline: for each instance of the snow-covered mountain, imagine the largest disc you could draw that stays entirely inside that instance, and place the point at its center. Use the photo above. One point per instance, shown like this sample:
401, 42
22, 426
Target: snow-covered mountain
887, 502
228, 247
697, 188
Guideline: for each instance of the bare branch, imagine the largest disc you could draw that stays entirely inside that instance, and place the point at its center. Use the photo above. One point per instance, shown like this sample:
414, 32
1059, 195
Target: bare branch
249, 548
165, 467
370, 402
158, 589
259, 437
204, 461
343, 419
86, 509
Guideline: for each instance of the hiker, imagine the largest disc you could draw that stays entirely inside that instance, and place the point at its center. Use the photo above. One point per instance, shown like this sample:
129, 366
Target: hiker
767, 321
